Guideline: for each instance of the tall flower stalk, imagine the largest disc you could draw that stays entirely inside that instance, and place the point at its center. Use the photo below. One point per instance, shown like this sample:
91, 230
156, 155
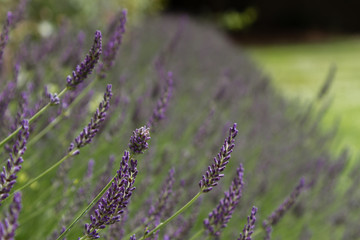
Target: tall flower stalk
220, 215
80, 73
115, 196
9, 223
13, 164
84, 138
209, 180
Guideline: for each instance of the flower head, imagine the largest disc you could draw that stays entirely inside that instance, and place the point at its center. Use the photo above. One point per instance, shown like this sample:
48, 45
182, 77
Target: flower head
112, 47
163, 102
116, 199
275, 217
139, 140
213, 175
221, 215
13, 165
85, 68
10, 222
88, 133
249, 227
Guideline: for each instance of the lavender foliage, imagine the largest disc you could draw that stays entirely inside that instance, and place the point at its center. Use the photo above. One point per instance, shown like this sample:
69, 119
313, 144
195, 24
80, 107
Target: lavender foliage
13, 165
9, 223
213, 174
220, 216
86, 67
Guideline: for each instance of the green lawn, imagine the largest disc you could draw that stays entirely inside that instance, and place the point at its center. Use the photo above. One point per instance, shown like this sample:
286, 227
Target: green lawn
300, 69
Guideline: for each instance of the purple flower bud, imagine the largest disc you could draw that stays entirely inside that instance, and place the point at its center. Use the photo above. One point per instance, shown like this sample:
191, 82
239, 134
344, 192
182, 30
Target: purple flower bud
249, 227
89, 132
132, 237
220, 216
213, 175
85, 68
10, 221
139, 140
116, 199
8, 175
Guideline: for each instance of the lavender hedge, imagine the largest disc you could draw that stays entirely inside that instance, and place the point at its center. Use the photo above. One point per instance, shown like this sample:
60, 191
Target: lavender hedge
190, 88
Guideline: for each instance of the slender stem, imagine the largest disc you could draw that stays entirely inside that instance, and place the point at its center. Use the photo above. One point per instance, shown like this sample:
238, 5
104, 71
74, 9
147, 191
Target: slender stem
198, 234
33, 118
51, 125
45, 172
163, 224
86, 210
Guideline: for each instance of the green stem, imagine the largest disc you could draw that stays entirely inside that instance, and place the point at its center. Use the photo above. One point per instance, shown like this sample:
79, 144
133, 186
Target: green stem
45, 172
62, 115
163, 224
198, 234
33, 118
86, 210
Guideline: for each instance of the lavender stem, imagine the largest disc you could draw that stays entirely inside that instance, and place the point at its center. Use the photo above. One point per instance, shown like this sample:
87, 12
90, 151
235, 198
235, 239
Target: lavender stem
53, 123
164, 223
45, 172
95, 200
33, 118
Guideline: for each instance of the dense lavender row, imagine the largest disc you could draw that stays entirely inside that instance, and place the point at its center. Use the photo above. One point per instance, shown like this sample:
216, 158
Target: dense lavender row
186, 84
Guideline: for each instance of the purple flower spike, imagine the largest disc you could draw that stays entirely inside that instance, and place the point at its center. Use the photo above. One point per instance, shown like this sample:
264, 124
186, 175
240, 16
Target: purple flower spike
13, 165
213, 174
112, 47
249, 227
88, 133
162, 104
220, 216
116, 199
10, 222
275, 217
139, 140
4, 37
85, 68
268, 232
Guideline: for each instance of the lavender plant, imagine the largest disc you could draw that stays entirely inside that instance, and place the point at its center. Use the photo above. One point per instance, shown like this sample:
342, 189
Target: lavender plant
280, 139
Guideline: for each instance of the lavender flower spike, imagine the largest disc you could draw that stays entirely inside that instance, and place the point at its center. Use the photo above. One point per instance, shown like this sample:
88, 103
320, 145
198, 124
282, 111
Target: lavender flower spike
221, 215
116, 199
13, 165
85, 68
249, 227
162, 104
275, 217
10, 222
139, 140
213, 175
4, 36
112, 47
92, 128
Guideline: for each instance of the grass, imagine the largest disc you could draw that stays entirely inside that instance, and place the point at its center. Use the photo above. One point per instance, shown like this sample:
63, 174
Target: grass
299, 70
